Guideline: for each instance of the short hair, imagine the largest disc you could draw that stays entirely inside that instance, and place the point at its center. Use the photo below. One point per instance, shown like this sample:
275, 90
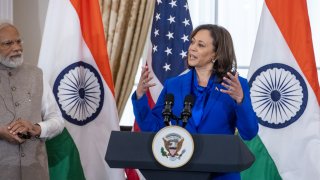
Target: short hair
223, 46
6, 23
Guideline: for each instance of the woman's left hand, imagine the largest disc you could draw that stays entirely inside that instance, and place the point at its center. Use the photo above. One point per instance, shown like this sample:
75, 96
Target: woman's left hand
233, 87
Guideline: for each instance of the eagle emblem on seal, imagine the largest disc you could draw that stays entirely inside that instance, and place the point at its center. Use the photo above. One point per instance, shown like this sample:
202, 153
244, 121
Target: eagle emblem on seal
172, 146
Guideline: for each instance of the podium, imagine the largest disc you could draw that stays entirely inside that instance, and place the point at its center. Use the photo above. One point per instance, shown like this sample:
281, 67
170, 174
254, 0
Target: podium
212, 154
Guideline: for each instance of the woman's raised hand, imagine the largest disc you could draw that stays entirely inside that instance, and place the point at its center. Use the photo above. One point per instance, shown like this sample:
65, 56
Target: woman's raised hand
233, 87
144, 82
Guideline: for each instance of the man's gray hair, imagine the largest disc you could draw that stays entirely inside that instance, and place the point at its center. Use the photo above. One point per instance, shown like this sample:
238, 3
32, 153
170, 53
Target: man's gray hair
6, 23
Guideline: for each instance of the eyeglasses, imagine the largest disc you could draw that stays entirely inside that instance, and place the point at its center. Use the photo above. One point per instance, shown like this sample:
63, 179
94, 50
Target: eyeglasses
9, 43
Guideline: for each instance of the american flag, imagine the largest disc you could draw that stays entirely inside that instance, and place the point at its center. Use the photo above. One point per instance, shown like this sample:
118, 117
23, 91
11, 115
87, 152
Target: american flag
170, 39
170, 36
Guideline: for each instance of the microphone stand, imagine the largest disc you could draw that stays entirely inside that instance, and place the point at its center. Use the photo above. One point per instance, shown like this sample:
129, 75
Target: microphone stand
185, 114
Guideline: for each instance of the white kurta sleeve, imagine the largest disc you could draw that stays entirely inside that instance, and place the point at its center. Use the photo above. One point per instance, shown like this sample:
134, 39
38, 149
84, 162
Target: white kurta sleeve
52, 122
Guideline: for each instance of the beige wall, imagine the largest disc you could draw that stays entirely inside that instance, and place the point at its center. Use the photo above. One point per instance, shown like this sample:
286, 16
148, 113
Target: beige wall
6, 10
29, 17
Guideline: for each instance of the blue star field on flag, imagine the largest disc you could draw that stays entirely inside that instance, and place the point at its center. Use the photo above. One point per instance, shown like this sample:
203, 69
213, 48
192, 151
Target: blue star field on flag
170, 38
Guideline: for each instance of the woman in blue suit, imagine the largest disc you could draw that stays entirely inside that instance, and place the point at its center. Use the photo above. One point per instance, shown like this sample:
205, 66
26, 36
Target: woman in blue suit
222, 99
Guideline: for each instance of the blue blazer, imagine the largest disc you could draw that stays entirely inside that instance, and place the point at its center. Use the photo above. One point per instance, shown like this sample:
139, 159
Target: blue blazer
221, 115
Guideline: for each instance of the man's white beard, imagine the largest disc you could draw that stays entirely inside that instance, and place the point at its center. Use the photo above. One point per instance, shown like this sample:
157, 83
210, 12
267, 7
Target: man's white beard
11, 62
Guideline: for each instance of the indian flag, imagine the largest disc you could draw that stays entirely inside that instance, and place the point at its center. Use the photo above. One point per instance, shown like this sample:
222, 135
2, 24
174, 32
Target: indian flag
285, 95
74, 60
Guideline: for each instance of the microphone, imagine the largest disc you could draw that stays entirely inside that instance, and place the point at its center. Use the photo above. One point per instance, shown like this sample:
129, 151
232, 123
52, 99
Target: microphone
186, 112
167, 112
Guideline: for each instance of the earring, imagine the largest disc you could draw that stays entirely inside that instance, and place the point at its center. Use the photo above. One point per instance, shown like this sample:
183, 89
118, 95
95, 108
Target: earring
213, 61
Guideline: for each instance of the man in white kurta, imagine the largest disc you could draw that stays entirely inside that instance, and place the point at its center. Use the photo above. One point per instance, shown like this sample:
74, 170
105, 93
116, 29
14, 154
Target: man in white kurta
28, 112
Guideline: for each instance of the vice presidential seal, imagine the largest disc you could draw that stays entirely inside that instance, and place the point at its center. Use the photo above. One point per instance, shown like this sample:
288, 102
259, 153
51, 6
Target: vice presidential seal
173, 146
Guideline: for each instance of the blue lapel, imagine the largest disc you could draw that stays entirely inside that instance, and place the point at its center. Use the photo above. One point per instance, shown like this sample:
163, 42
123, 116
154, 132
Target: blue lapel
214, 95
185, 86
185, 89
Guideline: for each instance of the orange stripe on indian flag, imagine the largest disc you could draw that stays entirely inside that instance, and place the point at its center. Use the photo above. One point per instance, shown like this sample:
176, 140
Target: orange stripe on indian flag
93, 35
297, 35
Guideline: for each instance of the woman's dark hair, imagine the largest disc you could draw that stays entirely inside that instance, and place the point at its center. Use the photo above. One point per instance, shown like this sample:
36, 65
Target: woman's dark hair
223, 46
